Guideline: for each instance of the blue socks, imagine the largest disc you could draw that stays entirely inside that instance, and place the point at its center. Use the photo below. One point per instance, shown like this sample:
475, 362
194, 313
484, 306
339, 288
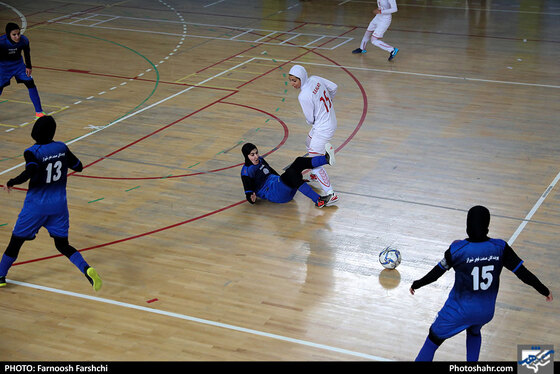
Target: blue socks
5, 265
34, 96
318, 161
473, 346
308, 191
428, 350
79, 261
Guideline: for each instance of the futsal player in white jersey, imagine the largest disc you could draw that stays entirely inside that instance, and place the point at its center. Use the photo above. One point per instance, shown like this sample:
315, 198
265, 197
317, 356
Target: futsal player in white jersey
378, 26
316, 100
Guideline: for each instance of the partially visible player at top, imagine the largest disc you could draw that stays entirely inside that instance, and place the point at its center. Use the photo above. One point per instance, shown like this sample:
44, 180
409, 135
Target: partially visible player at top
45, 205
12, 64
478, 262
316, 100
377, 28
262, 181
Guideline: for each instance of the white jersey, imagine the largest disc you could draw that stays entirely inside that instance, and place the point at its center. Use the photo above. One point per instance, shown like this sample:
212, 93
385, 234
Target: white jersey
316, 100
387, 7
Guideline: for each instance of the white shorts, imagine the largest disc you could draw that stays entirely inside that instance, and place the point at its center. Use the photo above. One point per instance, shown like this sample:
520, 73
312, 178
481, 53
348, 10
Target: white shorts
379, 24
316, 141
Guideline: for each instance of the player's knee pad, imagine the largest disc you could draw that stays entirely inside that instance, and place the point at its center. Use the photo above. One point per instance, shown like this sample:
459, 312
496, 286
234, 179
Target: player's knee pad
14, 246
29, 84
64, 246
473, 330
292, 178
301, 163
435, 339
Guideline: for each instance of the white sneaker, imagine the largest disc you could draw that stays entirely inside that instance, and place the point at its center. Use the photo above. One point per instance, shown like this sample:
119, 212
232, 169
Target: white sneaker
329, 154
331, 199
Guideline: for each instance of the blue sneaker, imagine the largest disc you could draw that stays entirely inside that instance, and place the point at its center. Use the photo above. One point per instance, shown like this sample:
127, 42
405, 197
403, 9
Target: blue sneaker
359, 50
393, 54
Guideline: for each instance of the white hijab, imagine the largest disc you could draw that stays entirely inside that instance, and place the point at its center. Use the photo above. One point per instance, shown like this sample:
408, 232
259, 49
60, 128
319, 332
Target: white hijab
300, 72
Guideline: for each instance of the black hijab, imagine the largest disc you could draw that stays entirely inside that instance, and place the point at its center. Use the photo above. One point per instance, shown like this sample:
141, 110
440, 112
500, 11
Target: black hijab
478, 220
246, 149
43, 130
10, 26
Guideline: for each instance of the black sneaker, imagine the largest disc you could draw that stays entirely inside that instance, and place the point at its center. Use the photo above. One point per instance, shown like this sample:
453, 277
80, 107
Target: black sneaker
358, 50
2, 281
393, 54
322, 202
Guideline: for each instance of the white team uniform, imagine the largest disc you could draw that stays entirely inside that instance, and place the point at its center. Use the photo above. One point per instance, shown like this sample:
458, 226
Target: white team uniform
316, 100
379, 25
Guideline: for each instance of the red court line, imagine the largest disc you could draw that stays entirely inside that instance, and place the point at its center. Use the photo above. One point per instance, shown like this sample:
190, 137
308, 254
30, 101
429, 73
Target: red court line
155, 132
364, 112
75, 71
142, 234
301, 55
248, 49
286, 131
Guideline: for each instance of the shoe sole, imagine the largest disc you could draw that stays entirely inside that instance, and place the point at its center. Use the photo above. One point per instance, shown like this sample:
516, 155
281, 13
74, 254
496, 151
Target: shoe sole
95, 278
330, 150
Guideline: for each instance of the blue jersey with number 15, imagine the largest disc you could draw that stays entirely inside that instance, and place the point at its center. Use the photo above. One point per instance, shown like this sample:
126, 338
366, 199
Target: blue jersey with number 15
477, 266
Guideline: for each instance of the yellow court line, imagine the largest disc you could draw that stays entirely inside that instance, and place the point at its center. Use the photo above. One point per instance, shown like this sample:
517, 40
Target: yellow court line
33, 120
180, 80
217, 87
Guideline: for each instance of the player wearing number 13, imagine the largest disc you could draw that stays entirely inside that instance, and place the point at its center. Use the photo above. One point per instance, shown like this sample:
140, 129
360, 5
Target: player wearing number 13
316, 100
478, 262
46, 165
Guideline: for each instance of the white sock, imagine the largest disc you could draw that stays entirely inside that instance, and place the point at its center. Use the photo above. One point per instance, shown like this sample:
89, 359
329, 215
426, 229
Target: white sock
365, 40
323, 179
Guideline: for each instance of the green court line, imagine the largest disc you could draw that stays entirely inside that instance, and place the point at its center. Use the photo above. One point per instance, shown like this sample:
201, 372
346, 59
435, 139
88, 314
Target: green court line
93, 201
192, 166
133, 188
120, 45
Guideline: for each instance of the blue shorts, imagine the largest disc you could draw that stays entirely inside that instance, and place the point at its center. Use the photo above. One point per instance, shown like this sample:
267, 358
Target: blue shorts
452, 319
275, 191
16, 69
30, 221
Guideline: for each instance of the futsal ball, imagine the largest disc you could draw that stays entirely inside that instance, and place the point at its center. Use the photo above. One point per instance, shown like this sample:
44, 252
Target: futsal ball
390, 258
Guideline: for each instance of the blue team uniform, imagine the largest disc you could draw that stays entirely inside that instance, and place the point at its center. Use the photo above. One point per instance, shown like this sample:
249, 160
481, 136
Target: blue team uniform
11, 60
45, 204
472, 300
266, 183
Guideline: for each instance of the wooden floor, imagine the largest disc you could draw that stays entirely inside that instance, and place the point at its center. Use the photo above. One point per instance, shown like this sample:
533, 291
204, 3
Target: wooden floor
157, 97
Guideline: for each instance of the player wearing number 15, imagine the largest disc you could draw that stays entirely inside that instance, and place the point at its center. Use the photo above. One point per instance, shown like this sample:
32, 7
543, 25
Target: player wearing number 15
316, 100
478, 262
45, 205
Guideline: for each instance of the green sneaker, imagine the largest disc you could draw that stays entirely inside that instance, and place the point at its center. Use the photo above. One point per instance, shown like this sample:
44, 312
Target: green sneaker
93, 278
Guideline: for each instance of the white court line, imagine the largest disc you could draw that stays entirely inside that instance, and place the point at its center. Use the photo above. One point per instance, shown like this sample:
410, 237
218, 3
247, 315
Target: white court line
214, 3
539, 202
533, 210
202, 321
413, 73
141, 110
20, 15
